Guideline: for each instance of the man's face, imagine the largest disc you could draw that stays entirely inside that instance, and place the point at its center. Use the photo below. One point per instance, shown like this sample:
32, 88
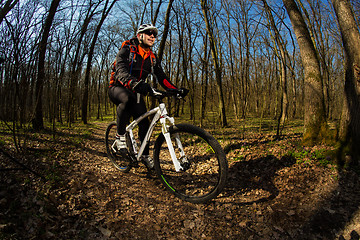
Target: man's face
148, 38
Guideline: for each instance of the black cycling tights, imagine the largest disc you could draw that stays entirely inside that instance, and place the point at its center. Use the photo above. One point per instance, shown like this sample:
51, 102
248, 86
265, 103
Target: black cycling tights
127, 106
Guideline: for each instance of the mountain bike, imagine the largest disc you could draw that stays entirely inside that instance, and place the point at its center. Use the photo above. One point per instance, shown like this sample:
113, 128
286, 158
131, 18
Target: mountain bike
189, 161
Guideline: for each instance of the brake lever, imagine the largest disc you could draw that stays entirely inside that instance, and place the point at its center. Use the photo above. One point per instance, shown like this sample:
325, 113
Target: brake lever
156, 93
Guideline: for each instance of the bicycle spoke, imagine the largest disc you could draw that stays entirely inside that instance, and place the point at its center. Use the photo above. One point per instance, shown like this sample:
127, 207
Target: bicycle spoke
202, 177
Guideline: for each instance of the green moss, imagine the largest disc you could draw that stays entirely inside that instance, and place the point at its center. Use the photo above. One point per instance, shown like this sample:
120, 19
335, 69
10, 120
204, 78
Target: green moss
321, 133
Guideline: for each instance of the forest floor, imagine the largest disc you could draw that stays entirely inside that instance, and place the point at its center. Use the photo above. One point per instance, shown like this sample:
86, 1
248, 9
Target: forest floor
276, 190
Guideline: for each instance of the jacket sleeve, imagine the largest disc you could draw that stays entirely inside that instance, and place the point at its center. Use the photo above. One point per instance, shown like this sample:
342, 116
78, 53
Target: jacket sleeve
122, 67
162, 78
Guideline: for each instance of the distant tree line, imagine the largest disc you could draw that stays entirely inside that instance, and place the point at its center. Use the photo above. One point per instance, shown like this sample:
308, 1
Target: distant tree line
282, 59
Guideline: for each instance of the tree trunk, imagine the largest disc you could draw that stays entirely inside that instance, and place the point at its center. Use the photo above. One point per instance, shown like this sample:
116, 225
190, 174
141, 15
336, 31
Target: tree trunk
314, 117
204, 82
216, 60
231, 60
282, 56
38, 122
350, 119
7, 8
78, 62
154, 18
166, 31
85, 99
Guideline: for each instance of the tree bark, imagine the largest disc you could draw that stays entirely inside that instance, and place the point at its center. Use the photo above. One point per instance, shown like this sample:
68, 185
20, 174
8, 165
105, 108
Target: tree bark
154, 18
166, 31
282, 56
350, 119
216, 60
231, 60
38, 122
314, 117
78, 62
204, 81
85, 99
10, 4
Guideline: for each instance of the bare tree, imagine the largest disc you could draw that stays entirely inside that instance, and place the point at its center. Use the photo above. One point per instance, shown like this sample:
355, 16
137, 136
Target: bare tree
38, 122
314, 117
248, 57
216, 60
156, 14
204, 79
350, 122
77, 62
284, 102
9, 4
228, 6
166, 31
85, 99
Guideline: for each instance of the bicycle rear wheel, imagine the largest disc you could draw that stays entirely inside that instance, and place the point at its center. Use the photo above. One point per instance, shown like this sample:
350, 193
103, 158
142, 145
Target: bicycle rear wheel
120, 160
205, 164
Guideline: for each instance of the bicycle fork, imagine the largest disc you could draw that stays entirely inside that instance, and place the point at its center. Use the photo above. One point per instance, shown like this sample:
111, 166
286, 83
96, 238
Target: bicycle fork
179, 166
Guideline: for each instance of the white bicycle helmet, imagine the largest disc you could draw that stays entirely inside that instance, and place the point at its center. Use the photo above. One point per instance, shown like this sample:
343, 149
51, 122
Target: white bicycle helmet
145, 27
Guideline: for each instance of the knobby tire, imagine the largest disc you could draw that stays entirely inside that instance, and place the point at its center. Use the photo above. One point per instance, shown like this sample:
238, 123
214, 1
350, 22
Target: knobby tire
207, 169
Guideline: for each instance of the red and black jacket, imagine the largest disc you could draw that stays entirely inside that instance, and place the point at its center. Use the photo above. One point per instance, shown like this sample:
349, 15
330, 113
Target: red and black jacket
133, 64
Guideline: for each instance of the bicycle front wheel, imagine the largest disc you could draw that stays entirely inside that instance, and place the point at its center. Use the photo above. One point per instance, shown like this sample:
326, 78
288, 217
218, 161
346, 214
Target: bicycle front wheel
120, 160
204, 164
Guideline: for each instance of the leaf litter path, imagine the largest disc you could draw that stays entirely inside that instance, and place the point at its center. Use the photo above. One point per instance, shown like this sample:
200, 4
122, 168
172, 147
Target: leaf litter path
269, 195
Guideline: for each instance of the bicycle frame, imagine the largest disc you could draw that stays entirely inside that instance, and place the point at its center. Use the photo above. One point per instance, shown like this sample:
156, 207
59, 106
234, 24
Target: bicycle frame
160, 113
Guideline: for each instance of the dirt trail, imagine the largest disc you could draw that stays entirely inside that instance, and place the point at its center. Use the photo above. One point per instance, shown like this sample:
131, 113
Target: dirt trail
268, 196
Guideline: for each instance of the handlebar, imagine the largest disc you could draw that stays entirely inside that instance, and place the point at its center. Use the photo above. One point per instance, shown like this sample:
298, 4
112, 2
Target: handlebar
158, 94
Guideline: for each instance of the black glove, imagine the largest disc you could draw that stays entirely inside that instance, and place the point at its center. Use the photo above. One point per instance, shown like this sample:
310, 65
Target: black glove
183, 92
141, 87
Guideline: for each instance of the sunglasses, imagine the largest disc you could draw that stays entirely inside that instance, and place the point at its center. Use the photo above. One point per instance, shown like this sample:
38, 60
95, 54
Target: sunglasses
150, 32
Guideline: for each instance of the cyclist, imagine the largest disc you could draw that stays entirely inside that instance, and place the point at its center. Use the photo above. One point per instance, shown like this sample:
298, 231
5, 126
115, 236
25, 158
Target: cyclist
133, 64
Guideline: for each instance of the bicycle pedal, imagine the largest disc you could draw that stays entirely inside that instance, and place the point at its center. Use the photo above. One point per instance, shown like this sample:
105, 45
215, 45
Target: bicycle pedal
133, 161
185, 166
122, 154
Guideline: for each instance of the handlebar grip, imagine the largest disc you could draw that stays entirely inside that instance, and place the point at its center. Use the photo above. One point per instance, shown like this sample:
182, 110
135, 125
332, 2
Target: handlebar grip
169, 93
